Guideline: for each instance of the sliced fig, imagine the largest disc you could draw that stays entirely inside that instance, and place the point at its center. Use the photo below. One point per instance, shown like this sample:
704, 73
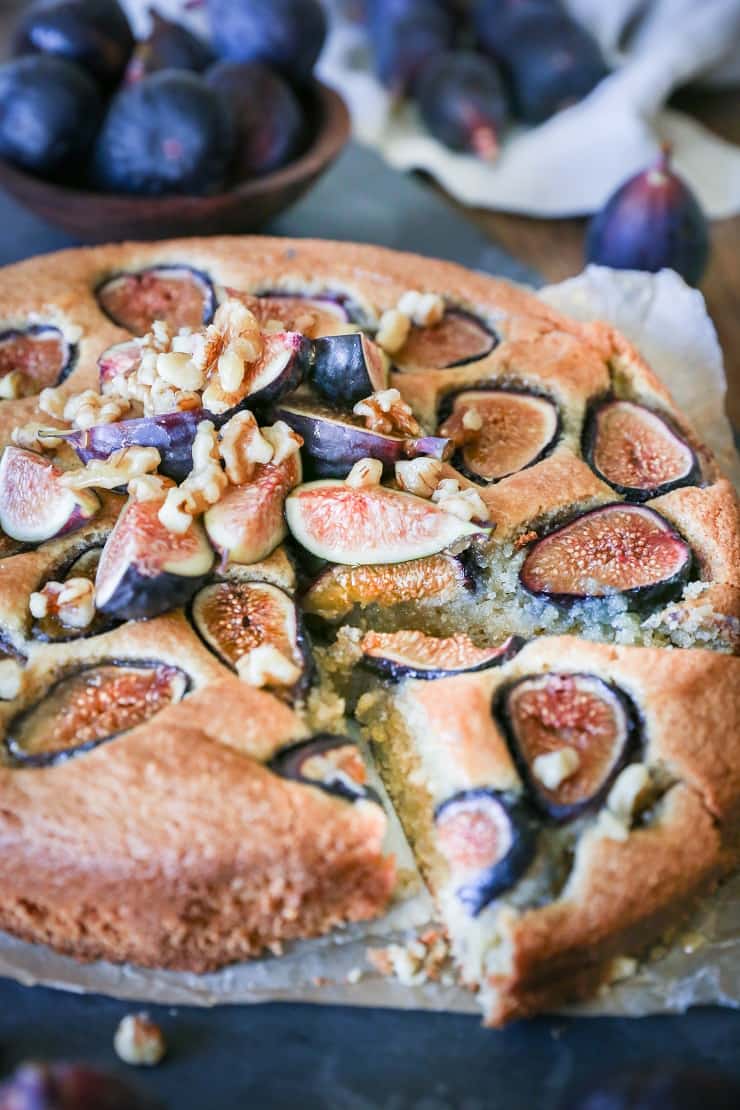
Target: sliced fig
91, 705
324, 313
50, 628
39, 356
172, 434
333, 443
346, 368
571, 734
144, 569
332, 763
518, 429
412, 654
372, 524
488, 840
119, 361
281, 369
339, 589
177, 294
34, 505
459, 338
637, 451
616, 549
233, 618
248, 522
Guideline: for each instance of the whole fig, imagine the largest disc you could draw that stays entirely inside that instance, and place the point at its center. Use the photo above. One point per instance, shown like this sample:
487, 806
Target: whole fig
653, 221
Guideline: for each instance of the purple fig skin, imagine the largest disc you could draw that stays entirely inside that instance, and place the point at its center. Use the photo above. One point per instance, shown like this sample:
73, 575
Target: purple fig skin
287, 375
94, 34
169, 45
462, 102
63, 1086
171, 433
395, 671
140, 596
331, 445
286, 34
652, 222
405, 36
346, 368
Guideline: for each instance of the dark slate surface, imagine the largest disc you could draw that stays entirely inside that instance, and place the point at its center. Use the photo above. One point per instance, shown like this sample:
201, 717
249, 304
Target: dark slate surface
290, 1056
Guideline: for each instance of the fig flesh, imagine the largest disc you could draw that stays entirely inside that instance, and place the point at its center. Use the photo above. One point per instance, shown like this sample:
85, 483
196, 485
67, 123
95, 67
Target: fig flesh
94, 34
49, 113
412, 654
248, 522
179, 295
459, 338
282, 368
338, 589
62, 1086
371, 524
146, 570
405, 36
637, 451
347, 368
91, 705
267, 117
462, 102
518, 429
39, 355
34, 505
167, 134
488, 841
50, 629
286, 34
168, 45
616, 549
172, 434
332, 444
233, 618
323, 314
553, 715
332, 763
651, 222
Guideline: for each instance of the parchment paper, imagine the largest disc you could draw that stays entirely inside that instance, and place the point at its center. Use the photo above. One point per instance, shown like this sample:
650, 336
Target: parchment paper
668, 321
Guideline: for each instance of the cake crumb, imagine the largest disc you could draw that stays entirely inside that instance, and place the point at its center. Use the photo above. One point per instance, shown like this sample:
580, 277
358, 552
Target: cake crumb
139, 1041
421, 959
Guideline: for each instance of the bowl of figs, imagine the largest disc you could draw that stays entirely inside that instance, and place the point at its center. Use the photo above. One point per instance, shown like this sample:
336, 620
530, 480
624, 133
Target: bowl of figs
110, 137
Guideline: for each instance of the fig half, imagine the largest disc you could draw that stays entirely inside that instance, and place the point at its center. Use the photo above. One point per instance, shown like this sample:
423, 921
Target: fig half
329, 310
172, 433
333, 443
248, 522
39, 355
338, 589
637, 451
347, 368
371, 524
145, 569
459, 338
488, 840
332, 763
34, 505
412, 654
549, 717
285, 360
616, 549
91, 705
518, 429
177, 294
233, 618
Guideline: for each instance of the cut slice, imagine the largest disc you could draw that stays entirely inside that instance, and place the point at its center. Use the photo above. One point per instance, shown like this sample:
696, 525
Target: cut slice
338, 589
34, 505
332, 443
249, 522
616, 549
637, 451
412, 654
145, 569
517, 430
372, 524
178, 295
91, 705
459, 338
571, 734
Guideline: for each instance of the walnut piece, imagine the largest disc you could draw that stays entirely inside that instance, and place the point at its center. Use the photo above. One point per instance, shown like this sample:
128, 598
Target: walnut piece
117, 470
71, 602
203, 487
139, 1041
553, 768
393, 331
467, 504
419, 476
424, 309
384, 411
365, 472
89, 408
11, 676
283, 440
265, 665
243, 447
11, 386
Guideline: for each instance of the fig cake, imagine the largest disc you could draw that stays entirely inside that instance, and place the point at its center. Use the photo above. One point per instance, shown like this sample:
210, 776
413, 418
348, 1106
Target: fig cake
251, 488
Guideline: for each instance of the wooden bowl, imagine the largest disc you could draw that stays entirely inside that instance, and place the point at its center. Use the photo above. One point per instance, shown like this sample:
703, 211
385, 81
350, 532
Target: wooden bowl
100, 217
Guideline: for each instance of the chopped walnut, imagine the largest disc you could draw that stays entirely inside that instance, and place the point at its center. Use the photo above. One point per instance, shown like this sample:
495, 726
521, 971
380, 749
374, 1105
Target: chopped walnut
385, 412
11, 676
365, 472
177, 368
467, 504
149, 487
243, 447
419, 476
51, 401
87, 409
425, 309
393, 331
117, 470
71, 602
203, 487
630, 790
11, 386
283, 440
462, 428
472, 421
139, 1041
36, 437
265, 665
553, 768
